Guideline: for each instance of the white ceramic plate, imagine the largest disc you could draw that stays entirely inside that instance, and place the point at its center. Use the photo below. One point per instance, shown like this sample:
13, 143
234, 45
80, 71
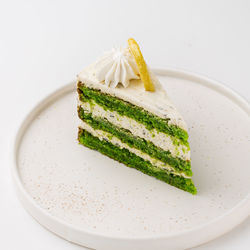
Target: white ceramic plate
94, 201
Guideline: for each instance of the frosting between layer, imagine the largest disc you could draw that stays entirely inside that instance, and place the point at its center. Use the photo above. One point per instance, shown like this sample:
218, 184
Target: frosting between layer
159, 139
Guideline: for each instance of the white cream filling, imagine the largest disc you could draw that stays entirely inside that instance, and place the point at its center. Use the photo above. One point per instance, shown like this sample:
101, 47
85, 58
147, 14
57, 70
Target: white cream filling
102, 135
116, 66
159, 139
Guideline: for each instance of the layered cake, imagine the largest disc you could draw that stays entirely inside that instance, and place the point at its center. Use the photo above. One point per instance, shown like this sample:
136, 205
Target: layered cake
127, 115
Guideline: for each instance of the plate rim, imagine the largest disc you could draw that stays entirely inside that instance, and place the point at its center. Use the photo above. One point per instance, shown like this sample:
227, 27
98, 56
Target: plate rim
41, 214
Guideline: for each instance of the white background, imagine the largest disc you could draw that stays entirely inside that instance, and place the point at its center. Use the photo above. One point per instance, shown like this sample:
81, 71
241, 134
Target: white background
44, 44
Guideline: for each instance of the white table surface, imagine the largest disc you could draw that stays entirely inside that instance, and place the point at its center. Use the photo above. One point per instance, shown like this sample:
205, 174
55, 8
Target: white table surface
44, 44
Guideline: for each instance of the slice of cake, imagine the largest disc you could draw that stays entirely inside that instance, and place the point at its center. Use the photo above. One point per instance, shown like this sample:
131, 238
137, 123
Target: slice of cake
126, 114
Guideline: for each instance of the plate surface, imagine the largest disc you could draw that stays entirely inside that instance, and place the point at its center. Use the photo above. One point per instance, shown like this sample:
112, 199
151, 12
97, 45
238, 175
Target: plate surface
94, 201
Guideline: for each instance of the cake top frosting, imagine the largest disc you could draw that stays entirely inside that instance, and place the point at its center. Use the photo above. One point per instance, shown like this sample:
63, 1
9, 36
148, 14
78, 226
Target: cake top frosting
103, 75
156, 102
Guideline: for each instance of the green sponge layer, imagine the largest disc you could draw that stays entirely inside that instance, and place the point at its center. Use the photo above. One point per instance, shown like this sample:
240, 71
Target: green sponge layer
134, 161
180, 165
127, 109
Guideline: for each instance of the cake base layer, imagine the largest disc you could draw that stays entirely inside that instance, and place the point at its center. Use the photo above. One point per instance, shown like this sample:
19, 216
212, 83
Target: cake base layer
131, 160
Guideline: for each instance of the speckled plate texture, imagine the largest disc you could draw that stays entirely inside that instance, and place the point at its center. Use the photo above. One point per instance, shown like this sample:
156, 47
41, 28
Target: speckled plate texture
94, 201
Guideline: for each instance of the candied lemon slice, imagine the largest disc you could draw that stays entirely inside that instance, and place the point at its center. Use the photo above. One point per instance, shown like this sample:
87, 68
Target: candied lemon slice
141, 64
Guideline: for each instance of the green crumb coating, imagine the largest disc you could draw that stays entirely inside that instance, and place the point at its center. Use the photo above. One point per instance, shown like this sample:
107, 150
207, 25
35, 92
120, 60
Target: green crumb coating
134, 161
127, 109
178, 164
